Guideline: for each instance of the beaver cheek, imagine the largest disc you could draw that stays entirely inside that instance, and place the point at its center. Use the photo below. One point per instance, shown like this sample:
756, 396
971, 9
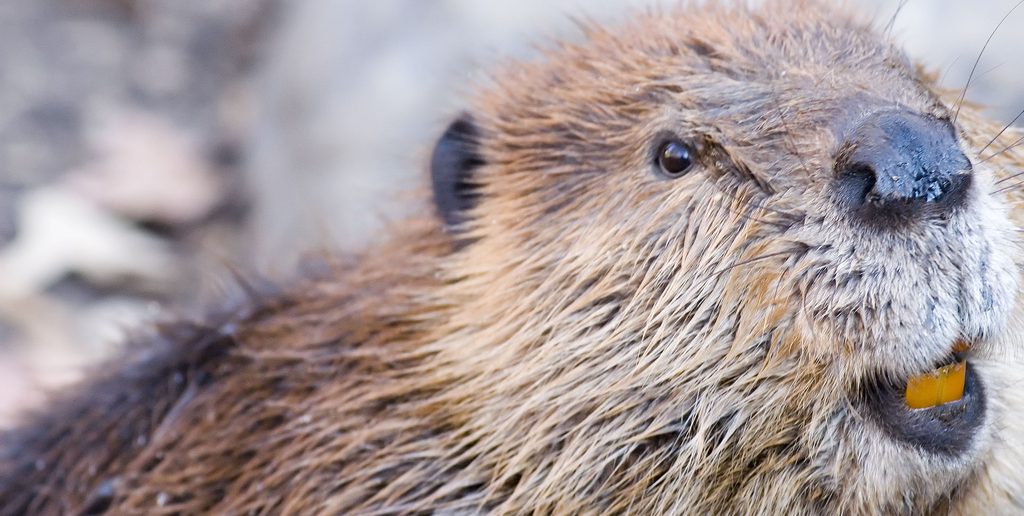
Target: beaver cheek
854, 326
992, 287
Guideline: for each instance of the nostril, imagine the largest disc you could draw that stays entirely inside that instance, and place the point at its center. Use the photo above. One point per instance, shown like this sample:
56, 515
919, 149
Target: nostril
898, 166
856, 183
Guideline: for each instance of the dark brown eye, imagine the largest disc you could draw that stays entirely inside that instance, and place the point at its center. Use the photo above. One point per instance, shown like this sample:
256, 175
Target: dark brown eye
675, 158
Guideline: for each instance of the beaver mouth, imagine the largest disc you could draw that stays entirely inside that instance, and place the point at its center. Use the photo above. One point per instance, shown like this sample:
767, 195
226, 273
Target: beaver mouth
938, 411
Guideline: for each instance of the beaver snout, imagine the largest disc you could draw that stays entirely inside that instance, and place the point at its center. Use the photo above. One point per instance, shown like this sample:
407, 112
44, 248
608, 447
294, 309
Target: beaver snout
898, 167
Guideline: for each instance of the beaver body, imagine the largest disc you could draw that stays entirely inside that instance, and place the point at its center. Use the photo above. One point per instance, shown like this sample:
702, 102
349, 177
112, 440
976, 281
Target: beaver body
680, 267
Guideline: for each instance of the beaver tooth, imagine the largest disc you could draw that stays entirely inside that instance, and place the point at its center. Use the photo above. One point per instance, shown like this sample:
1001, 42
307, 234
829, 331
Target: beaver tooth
961, 346
944, 385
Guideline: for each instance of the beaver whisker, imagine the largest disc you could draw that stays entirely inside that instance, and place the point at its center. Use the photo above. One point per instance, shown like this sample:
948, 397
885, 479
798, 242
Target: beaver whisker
993, 358
963, 94
1005, 128
789, 142
791, 219
782, 225
996, 362
892, 21
752, 260
751, 218
1011, 187
1006, 149
998, 354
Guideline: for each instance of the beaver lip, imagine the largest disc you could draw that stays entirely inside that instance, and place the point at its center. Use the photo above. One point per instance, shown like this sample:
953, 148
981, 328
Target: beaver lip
947, 429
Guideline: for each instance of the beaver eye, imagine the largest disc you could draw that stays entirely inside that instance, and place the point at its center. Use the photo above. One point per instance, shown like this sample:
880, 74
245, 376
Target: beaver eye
675, 158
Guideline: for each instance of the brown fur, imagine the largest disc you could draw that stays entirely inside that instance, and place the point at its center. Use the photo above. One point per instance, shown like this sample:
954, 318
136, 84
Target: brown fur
607, 341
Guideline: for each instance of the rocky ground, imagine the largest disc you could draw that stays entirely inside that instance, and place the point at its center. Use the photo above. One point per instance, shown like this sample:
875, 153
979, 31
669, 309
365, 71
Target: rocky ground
149, 148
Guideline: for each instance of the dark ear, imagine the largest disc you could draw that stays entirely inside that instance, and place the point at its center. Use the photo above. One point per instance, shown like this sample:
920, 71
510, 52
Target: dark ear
455, 158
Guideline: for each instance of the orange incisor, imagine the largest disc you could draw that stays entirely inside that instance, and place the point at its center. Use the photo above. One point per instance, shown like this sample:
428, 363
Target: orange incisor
944, 385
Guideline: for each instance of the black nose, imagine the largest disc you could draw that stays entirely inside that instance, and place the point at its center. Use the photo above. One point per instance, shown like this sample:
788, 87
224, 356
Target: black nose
900, 166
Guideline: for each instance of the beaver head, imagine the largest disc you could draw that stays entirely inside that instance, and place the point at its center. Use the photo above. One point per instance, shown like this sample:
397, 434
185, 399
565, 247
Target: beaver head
699, 258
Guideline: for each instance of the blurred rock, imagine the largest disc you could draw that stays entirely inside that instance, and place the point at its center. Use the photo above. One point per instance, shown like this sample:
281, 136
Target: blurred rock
63, 233
146, 170
121, 187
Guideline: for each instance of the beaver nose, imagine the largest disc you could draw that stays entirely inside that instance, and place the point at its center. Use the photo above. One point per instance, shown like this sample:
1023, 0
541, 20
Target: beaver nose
902, 166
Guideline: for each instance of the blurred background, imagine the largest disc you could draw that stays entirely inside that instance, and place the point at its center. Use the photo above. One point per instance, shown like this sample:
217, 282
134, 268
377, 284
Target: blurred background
151, 150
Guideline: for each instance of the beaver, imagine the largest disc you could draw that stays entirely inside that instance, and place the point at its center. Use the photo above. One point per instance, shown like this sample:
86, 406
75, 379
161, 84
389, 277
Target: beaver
717, 259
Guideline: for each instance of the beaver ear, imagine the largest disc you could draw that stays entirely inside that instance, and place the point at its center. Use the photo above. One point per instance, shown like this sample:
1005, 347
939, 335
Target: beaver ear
456, 156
